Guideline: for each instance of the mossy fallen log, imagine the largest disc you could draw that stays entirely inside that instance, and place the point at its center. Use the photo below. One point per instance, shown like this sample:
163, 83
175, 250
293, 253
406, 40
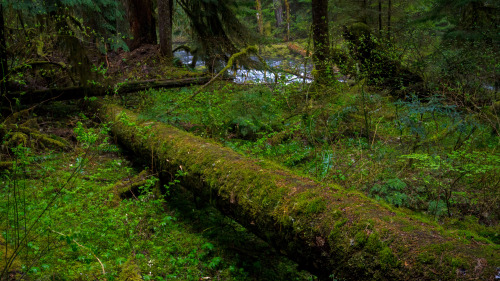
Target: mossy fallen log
33, 97
328, 230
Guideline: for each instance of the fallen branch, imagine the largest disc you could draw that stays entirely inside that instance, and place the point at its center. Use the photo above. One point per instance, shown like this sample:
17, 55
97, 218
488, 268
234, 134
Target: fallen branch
78, 92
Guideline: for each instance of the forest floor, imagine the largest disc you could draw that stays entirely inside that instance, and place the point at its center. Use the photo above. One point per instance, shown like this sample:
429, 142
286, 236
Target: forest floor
72, 223
425, 156
89, 212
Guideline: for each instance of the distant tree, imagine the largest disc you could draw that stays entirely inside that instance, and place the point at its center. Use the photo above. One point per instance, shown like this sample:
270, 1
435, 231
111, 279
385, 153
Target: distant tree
260, 17
287, 9
56, 35
471, 42
278, 12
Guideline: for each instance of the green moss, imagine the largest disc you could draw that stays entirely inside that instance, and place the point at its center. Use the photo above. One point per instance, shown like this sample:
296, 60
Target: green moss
16, 264
269, 196
373, 243
6, 165
130, 271
17, 138
387, 258
361, 238
340, 223
309, 203
458, 262
425, 258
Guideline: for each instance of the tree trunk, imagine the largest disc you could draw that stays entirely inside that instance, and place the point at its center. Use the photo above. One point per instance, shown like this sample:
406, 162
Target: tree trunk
287, 6
321, 39
389, 14
3, 55
142, 23
278, 12
260, 17
379, 17
165, 9
326, 229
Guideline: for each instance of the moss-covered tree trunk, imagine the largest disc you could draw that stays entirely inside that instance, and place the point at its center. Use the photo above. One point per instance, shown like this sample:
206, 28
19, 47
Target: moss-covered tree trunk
328, 230
260, 17
32, 97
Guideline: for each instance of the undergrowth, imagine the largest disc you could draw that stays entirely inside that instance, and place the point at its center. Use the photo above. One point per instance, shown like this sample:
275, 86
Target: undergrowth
423, 154
62, 219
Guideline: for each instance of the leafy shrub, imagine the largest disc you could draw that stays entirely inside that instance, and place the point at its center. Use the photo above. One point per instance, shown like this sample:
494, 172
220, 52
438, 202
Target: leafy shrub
392, 191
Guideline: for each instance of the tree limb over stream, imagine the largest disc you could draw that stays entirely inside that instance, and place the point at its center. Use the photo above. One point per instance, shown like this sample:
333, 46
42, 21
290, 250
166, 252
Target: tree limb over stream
326, 229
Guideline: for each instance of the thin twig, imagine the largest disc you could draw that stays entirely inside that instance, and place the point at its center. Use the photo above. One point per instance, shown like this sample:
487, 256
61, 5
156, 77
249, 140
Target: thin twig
80, 245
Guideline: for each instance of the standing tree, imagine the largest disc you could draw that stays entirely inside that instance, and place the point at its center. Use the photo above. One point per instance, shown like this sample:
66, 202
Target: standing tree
260, 17
379, 17
287, 8
389, 14
3, 54
165, 9
142, 23
321, 39
278, 12
216, 29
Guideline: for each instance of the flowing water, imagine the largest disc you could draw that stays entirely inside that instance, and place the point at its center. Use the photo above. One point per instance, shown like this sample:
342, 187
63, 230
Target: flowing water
281, 70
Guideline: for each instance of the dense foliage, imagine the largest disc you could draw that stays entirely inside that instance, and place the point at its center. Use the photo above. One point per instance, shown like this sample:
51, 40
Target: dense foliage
407, 111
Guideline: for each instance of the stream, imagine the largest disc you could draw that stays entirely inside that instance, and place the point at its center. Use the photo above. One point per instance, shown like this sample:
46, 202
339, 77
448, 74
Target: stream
243, 75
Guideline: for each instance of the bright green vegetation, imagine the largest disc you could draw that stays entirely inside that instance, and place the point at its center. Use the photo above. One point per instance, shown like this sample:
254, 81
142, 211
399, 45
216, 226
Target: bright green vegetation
392, 174
314, 223
424, 155
72, 223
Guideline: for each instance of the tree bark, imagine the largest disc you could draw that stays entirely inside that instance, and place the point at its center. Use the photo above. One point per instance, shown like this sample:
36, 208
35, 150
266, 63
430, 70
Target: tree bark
260, 17
165, 9
142, 23
278, 12
326, 229
379, 17
389, 14
287, 6
3, 54
321, 39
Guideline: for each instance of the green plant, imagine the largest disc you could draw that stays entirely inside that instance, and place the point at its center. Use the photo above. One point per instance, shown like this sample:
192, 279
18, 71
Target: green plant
460, 176
393, 191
